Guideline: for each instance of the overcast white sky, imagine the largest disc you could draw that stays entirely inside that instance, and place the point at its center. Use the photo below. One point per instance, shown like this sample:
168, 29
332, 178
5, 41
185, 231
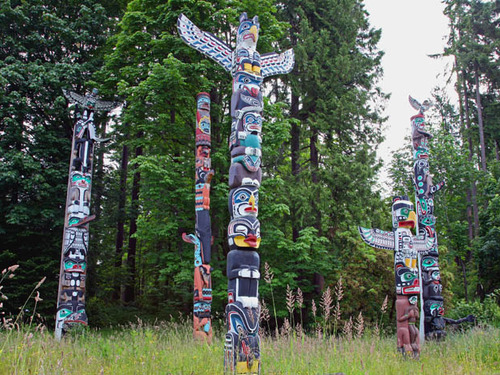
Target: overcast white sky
411, 30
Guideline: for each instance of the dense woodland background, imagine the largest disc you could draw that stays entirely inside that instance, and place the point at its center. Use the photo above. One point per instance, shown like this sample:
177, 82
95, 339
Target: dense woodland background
321, 174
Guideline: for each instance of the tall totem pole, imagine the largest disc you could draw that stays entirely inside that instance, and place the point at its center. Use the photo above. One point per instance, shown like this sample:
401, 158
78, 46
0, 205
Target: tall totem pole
406, 248
432, 311
202, 240
73, 271
248, 68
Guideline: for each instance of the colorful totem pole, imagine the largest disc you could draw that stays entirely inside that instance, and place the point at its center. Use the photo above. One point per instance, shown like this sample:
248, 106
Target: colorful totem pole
248, 68
431, 319
406, 248
202, 240
73, 271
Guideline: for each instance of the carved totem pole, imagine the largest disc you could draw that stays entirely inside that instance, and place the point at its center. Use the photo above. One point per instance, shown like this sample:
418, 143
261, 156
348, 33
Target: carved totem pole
73, 271
432, 310
406, 248
248, 68
202, 240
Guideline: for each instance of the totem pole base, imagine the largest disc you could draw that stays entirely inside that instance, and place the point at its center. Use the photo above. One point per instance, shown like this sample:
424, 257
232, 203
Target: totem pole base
246, 368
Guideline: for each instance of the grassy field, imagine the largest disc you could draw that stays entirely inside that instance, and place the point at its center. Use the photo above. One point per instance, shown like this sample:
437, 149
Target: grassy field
169, 349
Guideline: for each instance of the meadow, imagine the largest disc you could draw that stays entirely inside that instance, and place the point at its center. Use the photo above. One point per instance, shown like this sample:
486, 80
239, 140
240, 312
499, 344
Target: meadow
168, 348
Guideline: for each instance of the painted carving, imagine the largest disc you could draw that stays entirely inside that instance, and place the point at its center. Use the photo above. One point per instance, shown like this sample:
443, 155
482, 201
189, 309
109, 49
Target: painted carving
406, 247
248, 69
202, 240
432, 309
73, 270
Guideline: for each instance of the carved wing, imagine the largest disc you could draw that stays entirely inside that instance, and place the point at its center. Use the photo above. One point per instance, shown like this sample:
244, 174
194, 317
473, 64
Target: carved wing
205, 42
423, 244
105, 106
414, 103
274, 63
73, 97
378, 238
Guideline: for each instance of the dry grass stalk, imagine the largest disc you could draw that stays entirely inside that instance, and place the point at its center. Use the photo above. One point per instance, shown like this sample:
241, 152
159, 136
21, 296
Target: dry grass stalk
314, 309
376, 330
264, 312
290, 299
383, 309
347, 331
326, 304
300, 298
268, 273
299, 330
286, 328
359, 325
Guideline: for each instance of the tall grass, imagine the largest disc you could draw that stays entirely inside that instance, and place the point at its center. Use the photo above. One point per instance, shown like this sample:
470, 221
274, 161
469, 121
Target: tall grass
168, 348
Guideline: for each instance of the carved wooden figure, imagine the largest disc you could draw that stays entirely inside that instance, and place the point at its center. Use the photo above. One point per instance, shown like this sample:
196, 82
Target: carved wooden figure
406, 248
73, 271
202, 240
248, 68
432, 310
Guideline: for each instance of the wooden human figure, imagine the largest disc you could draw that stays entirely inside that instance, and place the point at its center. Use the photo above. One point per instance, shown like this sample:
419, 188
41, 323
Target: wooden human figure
248, 68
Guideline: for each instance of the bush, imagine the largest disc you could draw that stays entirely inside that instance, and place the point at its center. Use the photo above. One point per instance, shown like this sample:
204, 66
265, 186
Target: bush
486, 313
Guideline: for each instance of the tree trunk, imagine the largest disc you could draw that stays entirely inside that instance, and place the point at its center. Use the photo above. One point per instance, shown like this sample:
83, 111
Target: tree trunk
314, 155
465, 137
295, 150
120, 225
475, 209
480, 118
129, 290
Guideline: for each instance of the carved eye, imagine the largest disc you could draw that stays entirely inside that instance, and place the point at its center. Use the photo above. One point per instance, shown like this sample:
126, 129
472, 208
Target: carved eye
241, 197
405, 212
407, 276
241, 229
428, 262
63, 313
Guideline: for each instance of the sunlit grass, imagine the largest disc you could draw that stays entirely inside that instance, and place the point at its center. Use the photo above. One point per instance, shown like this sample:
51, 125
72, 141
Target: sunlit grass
168, 348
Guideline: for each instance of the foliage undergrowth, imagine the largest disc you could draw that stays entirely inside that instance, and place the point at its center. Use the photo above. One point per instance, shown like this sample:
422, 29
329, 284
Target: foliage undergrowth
168, 348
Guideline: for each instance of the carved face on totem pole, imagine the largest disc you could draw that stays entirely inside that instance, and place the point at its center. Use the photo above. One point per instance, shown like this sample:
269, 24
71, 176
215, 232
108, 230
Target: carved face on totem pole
248, 32
244, 200
403, 215
406, 280
244, 232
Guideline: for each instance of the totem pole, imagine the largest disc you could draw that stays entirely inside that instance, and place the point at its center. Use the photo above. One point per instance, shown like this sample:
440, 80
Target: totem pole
202, 240
248, 68
431, 315
73, 271
405, 247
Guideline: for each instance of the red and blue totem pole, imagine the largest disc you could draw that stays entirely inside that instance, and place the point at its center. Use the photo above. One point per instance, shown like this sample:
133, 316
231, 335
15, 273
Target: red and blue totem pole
432, 309
248, 68
202, 240
73, 271
406, 248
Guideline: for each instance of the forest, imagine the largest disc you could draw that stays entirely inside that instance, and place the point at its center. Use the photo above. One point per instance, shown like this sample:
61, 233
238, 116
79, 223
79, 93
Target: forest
323, 125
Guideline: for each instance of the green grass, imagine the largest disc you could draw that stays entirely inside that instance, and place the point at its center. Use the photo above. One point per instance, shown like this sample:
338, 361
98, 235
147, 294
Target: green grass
169, 349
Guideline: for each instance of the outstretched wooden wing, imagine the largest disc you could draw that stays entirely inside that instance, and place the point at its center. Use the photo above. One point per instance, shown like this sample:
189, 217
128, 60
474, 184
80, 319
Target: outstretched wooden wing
73, 97
423, 244
205, 42
378, 238
421, 108
274, 63
105, 106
